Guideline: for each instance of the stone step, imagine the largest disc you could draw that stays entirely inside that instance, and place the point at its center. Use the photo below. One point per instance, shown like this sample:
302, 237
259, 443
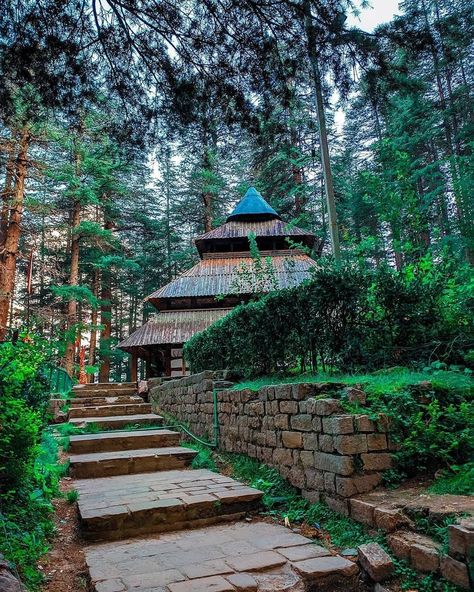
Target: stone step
116, 441
103, 385
227, 558
129, 462
114, 508
112, 391
119, 421
99, 401
110, 410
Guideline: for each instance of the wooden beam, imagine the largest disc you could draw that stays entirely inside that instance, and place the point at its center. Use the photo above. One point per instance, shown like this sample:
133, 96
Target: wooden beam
134, 367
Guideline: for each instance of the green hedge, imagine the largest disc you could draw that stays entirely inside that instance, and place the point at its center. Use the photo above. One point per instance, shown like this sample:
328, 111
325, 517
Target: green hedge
346, 318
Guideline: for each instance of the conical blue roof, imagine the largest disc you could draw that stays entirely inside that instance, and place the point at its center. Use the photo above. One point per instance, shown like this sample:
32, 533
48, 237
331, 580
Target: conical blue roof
253, 207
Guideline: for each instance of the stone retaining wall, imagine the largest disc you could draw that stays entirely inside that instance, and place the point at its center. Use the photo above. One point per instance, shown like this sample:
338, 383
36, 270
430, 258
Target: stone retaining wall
299, 429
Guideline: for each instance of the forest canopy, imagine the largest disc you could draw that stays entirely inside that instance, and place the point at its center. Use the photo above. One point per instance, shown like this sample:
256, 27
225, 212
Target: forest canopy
128, 128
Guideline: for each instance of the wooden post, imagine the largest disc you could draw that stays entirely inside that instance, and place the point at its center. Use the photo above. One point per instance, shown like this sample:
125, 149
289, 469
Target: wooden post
134, 367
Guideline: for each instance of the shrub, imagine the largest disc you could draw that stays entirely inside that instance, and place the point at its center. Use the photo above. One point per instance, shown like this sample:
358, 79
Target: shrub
28, 471
345, 317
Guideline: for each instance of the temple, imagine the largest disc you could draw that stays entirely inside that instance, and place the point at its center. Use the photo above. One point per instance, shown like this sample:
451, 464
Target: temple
230, 271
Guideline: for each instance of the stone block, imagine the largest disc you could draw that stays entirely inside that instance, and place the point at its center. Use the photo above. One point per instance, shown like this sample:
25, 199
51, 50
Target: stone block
255, 408
314, 479
317, 425
377, 442
347, 487
424, 558
383, 423
296, 477
303, 406
242, 582
302, 390
421, 551
326, 443
288, 407
400, 545
310, 405
283, 391
342, 465
362, 511
292, 439
307, 458
389, 519
326, 568
301, 422
376, 461
281, 422
259, 561
461, 539
375, 561
330, 482
455, 571
353, 444
282, 456
310, 441
327, 407
302, 552
355, 395
338, 424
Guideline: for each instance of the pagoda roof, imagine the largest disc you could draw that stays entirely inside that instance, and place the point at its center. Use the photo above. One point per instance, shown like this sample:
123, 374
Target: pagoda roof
234, 273
172, 327
253, 207
260, 228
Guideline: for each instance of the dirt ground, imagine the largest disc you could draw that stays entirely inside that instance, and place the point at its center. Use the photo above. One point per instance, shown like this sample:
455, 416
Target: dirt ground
64, 566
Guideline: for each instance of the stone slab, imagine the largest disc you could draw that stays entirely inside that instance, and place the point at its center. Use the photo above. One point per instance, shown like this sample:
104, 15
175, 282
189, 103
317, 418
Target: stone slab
127, 505
129, 462
177, 562
119, 421
109, 410
109, 442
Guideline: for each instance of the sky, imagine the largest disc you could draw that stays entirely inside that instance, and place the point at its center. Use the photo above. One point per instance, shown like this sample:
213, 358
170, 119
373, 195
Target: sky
381, 11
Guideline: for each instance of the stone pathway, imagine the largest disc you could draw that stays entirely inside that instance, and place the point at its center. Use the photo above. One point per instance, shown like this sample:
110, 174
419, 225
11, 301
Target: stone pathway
137, 484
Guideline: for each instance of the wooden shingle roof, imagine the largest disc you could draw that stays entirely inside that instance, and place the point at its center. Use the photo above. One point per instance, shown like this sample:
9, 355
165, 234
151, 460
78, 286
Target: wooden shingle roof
236, 229
234, 273
172, 327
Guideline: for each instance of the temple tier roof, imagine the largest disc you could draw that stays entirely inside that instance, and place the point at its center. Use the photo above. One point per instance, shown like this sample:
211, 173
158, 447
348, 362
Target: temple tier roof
240, 229
224, 274
170, 327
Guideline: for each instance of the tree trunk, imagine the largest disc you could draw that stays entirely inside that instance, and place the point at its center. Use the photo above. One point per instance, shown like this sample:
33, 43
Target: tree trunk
71, 314
9, 254
323, 138
7, 192
105, 319
94, 320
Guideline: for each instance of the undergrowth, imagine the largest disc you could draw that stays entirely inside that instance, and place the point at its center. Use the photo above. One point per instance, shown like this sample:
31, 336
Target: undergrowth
26, 524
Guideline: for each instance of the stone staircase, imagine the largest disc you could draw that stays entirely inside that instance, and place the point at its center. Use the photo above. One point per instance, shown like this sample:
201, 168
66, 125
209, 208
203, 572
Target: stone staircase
110, 406
139, 482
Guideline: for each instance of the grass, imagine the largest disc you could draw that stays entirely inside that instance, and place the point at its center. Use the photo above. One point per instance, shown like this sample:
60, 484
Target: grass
72, 496
380, 382
458, 480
